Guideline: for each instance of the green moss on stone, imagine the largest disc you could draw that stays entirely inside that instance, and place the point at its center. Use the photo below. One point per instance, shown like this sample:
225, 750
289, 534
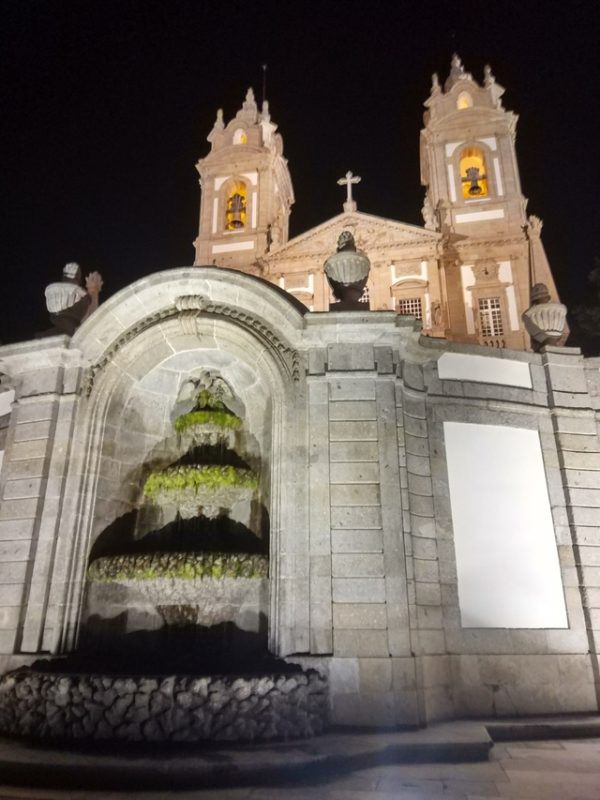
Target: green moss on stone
186, 566
216, 418
207, 478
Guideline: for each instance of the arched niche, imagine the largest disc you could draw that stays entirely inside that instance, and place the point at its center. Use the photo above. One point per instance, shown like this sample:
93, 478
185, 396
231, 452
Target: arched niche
140, 346
464, 100
240, 136
138, 431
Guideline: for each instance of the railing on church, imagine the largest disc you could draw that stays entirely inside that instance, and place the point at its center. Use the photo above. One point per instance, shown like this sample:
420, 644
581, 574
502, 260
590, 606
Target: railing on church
492, 341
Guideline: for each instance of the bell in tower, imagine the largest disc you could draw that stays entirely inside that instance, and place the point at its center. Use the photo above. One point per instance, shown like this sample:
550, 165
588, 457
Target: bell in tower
236, 212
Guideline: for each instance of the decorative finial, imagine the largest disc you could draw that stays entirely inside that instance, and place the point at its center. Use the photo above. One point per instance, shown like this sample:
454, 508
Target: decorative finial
535, 226
347, 181
250, 102
456, 65
264, 113
347, 272
544, 320
457, 72
249, 111
346, 242
489, 81
217, 127
435, 84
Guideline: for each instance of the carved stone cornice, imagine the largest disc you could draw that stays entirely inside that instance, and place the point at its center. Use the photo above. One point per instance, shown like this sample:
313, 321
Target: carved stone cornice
476, 244
188, 309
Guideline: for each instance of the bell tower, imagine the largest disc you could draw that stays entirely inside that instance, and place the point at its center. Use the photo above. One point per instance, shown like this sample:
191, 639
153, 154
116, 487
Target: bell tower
491, 253
246, 189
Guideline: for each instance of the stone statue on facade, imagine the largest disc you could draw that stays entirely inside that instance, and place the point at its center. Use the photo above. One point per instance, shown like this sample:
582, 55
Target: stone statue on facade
68, 303
428, 213
347, 272
544, 320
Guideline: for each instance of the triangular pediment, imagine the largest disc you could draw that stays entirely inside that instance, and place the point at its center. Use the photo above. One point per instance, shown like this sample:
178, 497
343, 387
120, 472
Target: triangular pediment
370, 233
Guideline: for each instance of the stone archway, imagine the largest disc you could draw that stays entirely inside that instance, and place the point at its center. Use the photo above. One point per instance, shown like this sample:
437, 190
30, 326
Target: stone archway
139, 347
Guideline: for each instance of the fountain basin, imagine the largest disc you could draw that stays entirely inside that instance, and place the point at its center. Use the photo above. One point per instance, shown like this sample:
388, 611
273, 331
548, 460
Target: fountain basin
143, 708
202, 489
147, 604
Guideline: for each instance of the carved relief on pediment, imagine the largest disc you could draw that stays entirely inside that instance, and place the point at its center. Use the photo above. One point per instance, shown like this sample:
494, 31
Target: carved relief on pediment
486, 270
368, 235
403, 268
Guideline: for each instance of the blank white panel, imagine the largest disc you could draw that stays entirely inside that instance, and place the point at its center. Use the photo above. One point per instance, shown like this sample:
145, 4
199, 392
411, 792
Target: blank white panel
506, 555
484, 369
6, 401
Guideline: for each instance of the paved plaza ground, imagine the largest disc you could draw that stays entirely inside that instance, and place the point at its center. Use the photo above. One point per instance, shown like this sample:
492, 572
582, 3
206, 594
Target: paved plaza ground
538, 770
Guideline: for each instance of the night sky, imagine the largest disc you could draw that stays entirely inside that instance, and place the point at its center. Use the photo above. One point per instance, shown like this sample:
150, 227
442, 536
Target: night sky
106, 107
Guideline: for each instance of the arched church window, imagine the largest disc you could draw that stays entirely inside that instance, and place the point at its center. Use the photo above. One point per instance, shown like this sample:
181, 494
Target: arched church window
236, 206
464, 101
473, 173
240, 136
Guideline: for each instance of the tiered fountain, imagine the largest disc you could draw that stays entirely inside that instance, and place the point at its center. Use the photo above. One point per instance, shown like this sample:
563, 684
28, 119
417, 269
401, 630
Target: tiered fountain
174, 641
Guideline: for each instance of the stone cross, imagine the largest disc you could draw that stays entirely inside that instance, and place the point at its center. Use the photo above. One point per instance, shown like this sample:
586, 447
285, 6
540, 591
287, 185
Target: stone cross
348, 180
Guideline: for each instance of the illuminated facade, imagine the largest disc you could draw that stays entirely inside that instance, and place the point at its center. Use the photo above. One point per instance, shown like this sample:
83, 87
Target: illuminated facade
466, 274
431, 506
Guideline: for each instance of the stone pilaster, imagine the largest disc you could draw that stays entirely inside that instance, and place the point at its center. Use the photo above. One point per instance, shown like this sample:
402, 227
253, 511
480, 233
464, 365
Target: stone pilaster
576, 432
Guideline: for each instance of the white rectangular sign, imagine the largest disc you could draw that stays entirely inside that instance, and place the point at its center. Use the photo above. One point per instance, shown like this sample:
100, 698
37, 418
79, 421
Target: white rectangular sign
506, 555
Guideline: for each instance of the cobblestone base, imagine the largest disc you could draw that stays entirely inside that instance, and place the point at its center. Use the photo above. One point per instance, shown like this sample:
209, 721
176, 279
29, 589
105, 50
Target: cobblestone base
174, 708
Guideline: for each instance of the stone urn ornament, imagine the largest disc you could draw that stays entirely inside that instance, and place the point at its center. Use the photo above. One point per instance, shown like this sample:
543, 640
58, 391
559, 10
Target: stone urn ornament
544, 320
347, 272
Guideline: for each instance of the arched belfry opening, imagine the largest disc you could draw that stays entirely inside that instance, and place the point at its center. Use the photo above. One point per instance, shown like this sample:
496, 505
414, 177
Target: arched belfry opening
473, 173
235, 202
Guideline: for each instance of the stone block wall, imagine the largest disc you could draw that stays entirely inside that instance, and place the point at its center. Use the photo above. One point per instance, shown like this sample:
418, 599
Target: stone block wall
36, 455
364, 580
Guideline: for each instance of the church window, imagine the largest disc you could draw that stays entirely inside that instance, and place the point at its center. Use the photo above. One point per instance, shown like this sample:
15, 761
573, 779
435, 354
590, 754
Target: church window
236, 206
240, 136
490, 316
464, 101
473, 173
411, 306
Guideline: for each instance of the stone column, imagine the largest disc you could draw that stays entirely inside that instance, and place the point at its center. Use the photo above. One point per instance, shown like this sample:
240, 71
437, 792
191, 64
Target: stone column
36, 458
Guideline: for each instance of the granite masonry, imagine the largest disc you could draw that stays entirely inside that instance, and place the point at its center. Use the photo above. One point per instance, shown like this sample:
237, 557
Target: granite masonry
433, 507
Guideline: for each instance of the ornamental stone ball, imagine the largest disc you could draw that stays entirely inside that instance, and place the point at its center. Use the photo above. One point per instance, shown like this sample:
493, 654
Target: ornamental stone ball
347, 272
544, 320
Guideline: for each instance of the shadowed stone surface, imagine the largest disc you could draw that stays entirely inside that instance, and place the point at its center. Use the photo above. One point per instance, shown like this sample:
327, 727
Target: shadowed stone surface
152, 709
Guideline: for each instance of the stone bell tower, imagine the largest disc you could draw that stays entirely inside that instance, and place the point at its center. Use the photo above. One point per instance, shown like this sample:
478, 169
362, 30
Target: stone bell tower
492, 253
246, 190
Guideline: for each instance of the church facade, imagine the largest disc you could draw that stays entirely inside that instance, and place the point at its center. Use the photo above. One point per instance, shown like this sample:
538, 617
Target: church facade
431, 487
466, 274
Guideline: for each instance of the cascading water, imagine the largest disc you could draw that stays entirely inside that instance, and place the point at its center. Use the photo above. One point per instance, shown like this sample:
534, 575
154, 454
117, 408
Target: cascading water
174, 641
